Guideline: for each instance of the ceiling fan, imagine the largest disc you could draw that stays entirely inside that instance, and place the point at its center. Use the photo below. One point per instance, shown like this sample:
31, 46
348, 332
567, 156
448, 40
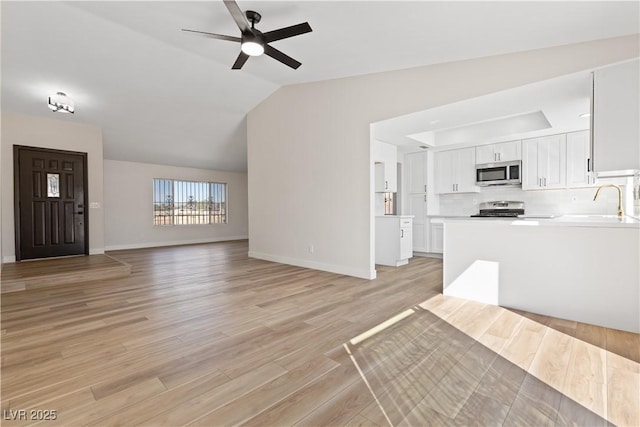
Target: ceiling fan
253, 41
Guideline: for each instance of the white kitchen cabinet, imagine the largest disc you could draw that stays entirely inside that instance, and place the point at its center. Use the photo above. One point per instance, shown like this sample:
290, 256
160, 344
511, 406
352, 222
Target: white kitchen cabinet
578, 160
416, 178
455, 171
501, 152
616, 117
386, 170
417, 204
416, 166
437, 238
394, 244
544, 162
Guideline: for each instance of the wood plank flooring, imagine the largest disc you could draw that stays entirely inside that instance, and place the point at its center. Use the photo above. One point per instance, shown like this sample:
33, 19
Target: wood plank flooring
204, 335
20, 276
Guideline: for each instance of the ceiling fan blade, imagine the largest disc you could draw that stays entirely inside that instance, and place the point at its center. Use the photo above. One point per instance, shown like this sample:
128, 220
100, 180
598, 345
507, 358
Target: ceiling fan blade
279, 56
283, 33
216, 36
237, 15
242, 58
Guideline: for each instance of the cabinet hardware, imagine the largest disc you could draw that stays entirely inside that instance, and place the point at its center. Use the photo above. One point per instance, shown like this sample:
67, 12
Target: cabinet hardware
386, 185
425, 188
401, 233
425, 198
588, 165
545, 182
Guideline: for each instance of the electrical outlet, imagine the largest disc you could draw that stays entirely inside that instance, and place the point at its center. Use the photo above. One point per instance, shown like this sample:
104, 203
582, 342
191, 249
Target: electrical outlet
311, 249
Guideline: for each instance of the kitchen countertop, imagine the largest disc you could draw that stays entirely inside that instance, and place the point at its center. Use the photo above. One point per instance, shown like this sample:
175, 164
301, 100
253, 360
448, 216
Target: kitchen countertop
602, 221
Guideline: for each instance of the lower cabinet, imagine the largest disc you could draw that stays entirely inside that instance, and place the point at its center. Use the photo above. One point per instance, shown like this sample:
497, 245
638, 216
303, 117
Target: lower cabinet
437, 237
394, 240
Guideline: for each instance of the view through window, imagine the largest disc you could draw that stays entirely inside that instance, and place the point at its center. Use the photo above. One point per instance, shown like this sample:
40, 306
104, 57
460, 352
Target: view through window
189, 202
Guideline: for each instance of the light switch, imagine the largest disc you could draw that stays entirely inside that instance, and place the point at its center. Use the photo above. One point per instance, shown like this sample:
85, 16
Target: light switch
94, 205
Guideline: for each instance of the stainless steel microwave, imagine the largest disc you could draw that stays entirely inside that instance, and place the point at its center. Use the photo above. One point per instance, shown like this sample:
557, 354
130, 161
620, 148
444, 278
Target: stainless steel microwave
503, 173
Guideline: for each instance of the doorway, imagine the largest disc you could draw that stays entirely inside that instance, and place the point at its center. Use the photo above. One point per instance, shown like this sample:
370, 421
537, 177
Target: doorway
50, 191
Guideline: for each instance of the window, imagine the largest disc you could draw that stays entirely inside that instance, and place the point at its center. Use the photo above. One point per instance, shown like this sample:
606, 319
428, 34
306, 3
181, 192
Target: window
189, 202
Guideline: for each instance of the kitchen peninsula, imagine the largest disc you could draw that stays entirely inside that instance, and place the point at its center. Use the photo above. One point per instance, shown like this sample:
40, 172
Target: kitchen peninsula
577, 267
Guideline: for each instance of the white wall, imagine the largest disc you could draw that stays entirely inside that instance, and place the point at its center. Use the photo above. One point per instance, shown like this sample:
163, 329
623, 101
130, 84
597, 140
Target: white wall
18, 129
309, 151
549, 202
128, 189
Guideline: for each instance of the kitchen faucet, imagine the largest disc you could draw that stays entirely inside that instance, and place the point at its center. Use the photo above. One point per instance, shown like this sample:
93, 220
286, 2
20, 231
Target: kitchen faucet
620, 213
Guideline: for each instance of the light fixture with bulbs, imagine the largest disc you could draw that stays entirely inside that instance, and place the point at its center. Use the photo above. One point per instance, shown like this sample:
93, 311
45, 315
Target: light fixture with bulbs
61, 103
252, 48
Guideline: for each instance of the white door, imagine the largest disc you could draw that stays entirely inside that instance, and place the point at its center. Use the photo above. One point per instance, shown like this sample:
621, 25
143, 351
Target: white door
417, 172
552, 160
406, 245
509, 151
418, 208
466, 171
485, 154
444, 165
578, 157
530, 175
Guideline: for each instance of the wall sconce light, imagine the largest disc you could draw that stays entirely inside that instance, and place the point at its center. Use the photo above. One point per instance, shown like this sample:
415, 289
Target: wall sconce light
60, 102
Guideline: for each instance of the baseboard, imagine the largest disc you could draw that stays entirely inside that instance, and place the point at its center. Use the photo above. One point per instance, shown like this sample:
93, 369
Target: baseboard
428, 254
314, 265
173, 243
92, 251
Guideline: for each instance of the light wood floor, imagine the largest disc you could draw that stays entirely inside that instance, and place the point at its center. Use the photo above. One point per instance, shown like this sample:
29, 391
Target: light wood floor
36, 274
203, 335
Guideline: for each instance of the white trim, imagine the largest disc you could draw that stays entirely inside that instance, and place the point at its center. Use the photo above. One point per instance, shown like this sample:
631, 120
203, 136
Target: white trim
96, 251
8, 258
314, 265
173, 243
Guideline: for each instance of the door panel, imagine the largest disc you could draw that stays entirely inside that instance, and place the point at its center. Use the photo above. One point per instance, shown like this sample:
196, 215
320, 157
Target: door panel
50, 197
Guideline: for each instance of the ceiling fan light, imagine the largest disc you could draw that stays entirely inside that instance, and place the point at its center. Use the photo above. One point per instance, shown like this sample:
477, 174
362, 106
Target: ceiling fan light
252, 48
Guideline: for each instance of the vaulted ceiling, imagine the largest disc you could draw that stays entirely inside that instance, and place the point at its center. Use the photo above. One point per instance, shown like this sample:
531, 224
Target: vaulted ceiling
168, 97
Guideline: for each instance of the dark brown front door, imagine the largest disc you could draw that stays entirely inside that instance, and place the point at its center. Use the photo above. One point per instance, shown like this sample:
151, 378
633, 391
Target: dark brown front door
50, 203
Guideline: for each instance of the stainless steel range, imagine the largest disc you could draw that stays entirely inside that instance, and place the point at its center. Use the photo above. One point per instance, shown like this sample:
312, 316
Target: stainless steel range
500, 209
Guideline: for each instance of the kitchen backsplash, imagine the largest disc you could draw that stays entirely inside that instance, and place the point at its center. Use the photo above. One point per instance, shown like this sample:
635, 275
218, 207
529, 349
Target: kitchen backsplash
548, 202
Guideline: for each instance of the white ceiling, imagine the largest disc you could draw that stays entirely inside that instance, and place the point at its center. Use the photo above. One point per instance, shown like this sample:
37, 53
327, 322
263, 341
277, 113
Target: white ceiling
168, 97
543, 108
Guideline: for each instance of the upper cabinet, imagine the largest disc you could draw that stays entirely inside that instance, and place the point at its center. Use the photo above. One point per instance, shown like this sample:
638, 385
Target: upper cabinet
501, 152
455, 171
385, 157
416, 164
579, 160
616, 117
544, 162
